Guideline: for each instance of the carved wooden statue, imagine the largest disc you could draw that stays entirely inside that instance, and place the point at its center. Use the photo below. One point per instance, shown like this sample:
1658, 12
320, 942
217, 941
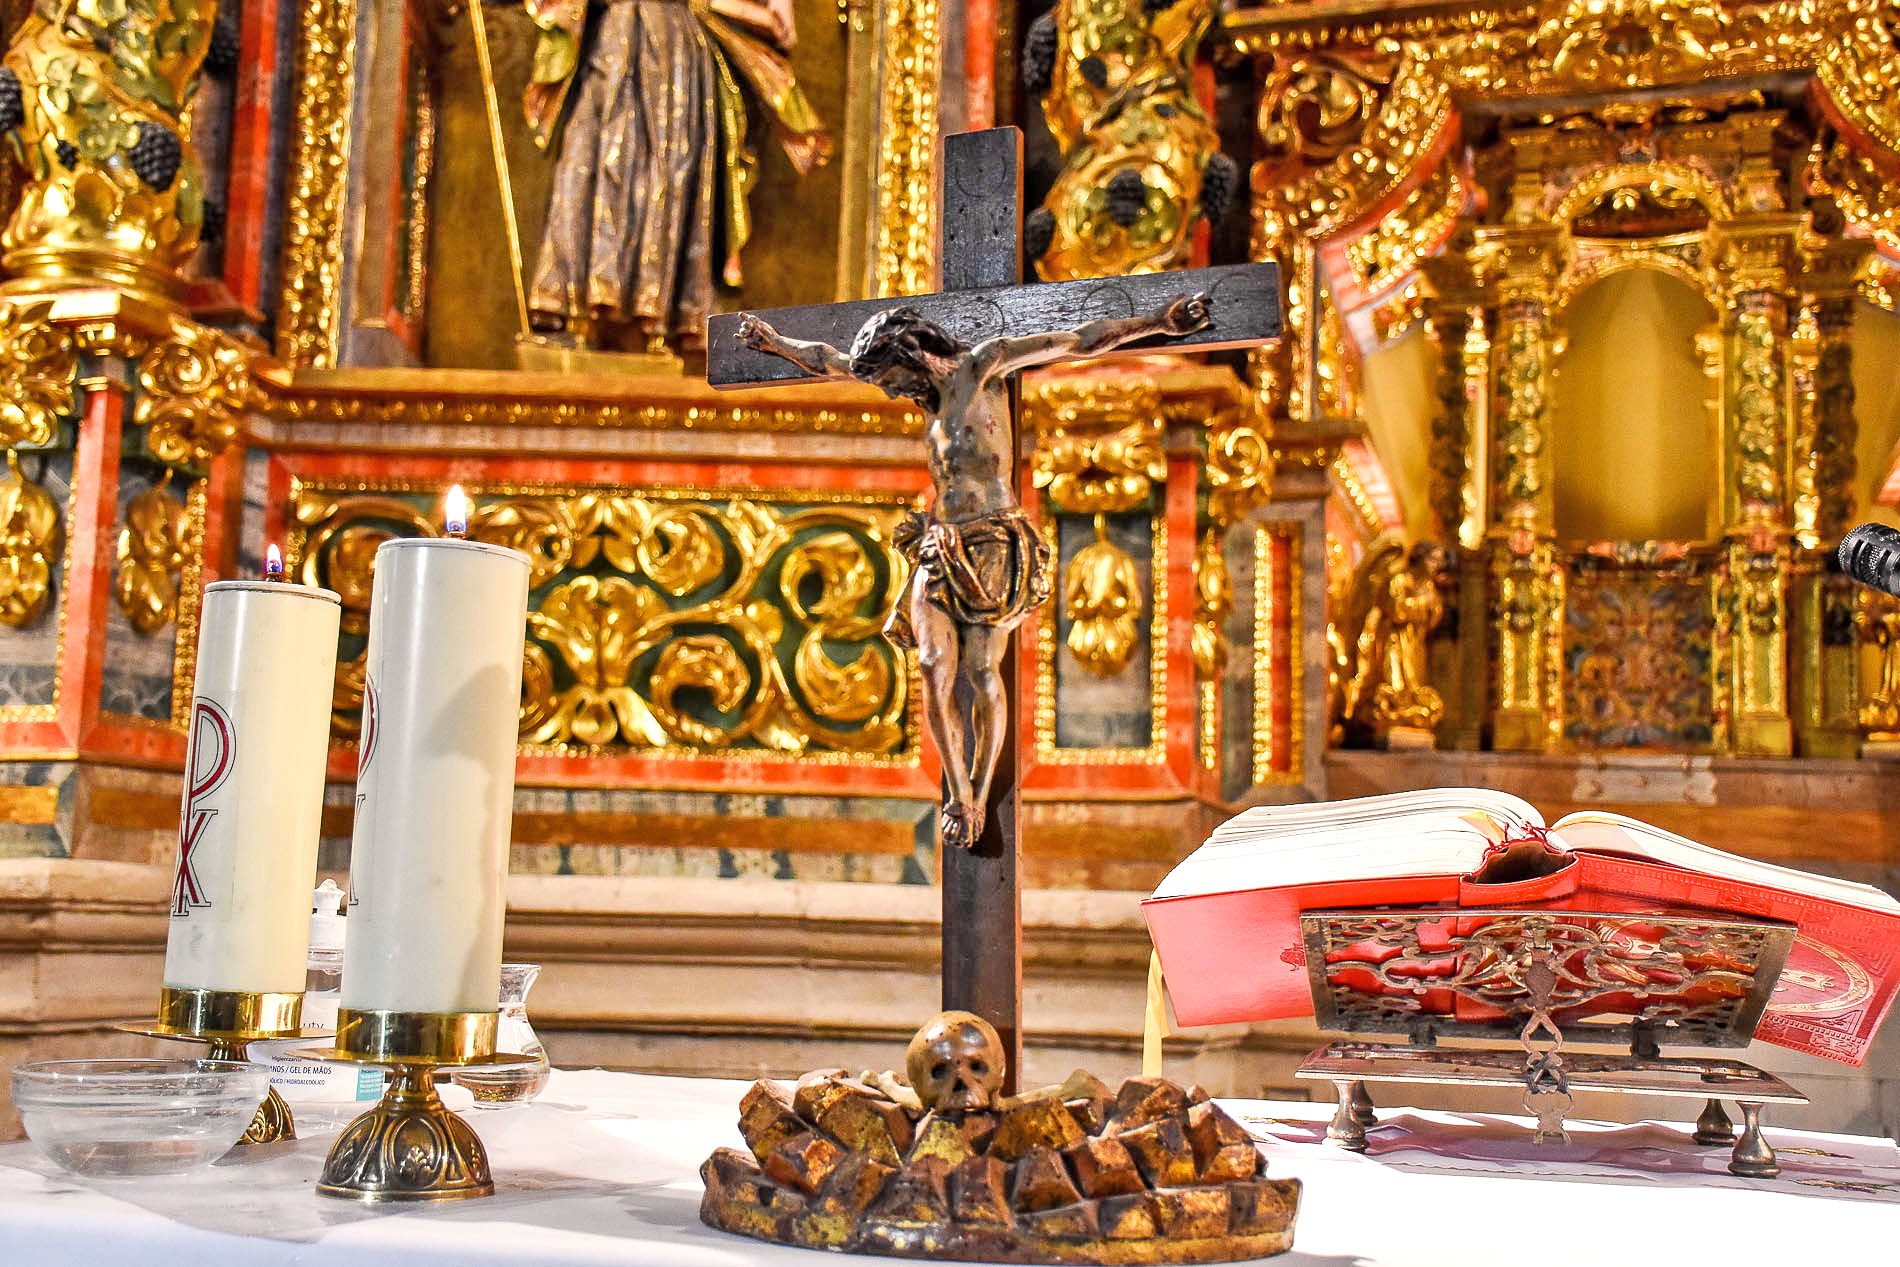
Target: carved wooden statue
1391, 607
979, 564
645, 105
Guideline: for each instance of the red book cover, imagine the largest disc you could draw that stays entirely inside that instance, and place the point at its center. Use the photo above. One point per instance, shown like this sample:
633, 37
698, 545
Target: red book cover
1238, 956
1840, 978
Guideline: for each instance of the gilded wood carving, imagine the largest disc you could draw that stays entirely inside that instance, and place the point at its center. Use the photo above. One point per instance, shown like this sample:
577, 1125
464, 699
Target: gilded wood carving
677, 621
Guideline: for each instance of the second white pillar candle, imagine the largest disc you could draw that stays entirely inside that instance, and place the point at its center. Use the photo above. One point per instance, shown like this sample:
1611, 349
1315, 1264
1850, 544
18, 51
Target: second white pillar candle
436, 777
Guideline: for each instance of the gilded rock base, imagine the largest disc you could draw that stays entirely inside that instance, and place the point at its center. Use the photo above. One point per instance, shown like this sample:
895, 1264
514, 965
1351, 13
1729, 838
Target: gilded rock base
1149, 1173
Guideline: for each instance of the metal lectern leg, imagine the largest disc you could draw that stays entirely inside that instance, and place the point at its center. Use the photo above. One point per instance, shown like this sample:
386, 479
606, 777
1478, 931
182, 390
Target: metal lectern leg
1753, 1158
1714, 1127
1346, 1130
1362, 1105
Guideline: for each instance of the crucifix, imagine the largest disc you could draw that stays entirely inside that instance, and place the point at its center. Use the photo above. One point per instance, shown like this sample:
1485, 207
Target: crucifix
979, 564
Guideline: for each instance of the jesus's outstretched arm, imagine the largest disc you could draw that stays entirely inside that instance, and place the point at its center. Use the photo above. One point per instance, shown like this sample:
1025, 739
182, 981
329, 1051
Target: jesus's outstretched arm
820, 359
1007, 355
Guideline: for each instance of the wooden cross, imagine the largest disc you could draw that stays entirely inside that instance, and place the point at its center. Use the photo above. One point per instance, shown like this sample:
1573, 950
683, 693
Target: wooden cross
982, 298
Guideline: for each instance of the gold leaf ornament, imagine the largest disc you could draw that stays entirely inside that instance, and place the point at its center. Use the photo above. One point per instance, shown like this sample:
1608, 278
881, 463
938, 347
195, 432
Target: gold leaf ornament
848, 692
39, 370
153, 547
1102, 592
680, 551
594, 624
29, 546
193, 387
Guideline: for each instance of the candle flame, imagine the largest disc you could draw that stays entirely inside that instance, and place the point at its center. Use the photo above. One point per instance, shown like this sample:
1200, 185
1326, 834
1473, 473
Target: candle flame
455, 511
273, 564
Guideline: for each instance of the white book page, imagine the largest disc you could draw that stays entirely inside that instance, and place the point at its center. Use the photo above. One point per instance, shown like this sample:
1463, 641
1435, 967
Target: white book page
1595, 831
1264, 821
1435, 832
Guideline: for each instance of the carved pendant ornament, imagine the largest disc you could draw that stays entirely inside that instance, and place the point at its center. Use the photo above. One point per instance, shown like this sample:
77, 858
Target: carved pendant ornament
29, 546
1102, 598
154, 544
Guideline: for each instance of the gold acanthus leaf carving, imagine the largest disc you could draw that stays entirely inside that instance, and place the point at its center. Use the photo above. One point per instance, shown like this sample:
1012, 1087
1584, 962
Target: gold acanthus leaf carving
720, 623
193, 388
1625, 43
592, 622
1314, 108
153, 547
39, 370
1087, 474
1239, 470
1101, 596
29, 546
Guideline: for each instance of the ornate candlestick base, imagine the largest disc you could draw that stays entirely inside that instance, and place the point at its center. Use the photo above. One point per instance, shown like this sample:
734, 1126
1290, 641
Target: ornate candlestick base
945, 1168
229, 1021
410, 1147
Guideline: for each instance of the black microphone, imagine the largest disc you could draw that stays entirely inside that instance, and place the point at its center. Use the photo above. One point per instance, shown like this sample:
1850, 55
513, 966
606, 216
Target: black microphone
1871, 555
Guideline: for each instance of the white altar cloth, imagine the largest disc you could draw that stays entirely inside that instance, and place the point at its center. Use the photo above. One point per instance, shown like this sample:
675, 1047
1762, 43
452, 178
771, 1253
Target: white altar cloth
603, 1169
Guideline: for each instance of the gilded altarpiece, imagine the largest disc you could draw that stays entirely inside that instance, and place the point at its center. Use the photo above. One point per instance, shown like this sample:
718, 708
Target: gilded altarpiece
1471, 172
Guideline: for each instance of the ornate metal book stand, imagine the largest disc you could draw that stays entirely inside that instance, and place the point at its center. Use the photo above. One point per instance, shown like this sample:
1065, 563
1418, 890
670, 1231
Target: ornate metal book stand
1545, 978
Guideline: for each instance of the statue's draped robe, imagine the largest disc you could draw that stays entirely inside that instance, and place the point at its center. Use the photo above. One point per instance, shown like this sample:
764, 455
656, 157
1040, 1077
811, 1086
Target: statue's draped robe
653, 170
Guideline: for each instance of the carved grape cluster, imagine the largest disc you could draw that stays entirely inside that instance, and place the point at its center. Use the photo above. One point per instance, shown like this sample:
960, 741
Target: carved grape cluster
12, 101
1127, 197
156, 155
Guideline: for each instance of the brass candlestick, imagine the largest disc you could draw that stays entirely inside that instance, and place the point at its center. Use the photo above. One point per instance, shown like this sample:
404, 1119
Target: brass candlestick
410, 1147
230, 1021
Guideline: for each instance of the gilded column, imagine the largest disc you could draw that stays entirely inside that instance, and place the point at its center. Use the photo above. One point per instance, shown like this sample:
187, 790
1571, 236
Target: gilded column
1239, 476
1826, 657
1755, 259
1141, 161
93, 94
1455, 321
113, 405
1518, 267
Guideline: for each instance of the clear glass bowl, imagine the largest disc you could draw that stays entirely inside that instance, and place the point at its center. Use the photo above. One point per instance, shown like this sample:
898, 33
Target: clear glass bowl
103, 1118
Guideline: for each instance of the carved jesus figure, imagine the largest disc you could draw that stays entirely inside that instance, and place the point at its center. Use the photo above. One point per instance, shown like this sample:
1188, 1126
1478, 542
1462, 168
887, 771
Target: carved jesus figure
978, 565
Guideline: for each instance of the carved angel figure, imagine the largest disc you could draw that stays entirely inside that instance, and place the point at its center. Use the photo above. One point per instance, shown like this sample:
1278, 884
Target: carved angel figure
1391, 607
648, 103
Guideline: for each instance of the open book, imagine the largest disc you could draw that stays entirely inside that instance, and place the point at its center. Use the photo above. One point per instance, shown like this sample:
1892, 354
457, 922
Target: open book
1226, 921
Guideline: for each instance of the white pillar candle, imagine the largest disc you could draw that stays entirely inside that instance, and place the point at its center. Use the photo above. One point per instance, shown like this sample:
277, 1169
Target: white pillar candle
253, 798
436, 778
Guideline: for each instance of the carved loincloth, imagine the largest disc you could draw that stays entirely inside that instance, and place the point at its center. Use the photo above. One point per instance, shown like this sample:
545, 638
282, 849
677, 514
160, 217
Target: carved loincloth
987, 571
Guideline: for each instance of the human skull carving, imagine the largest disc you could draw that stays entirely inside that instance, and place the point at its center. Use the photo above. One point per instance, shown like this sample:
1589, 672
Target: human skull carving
956, 1062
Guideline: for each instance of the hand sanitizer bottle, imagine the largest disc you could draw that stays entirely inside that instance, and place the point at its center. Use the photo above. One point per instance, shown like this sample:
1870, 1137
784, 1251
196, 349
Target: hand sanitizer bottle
323, 981
324, 1095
